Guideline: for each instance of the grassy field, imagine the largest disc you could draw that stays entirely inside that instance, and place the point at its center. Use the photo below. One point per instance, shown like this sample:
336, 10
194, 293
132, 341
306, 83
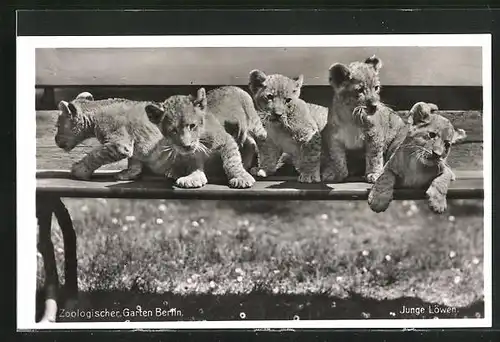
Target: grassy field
315, 259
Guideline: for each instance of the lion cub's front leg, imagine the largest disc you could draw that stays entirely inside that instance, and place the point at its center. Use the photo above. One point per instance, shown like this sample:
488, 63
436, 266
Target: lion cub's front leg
309, 160
133, 171
335, 167
233, 166
381, 193
268, 156
107, 153
374, 159
436, 193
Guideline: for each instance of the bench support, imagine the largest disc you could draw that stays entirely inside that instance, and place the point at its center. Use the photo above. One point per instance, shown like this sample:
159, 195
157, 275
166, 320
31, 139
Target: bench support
46, 206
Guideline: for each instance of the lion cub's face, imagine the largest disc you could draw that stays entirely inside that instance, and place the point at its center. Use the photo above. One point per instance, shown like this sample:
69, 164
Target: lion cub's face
431, 135
357, 84
181, 120
274, 94
70, 126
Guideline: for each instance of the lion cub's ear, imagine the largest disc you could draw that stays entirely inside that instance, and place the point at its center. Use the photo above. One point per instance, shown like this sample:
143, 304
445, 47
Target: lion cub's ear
338, 74
257, 80
299, 80
420, 112
155, 113
458, 135
201, 99
85, 96
67, 108
375, 62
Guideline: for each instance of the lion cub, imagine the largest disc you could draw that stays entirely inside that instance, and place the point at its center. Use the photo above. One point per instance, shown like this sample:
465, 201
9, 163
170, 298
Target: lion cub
419, 159
293, 126
121, 127
194, 135
357, 120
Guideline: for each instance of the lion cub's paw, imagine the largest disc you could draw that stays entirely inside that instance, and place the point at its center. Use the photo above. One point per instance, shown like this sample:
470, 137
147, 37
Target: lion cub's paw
372, 177
127, 175
330, 175
194, 180
258, 172
378, 200
80, 171
313, 177
436, 200
244, 180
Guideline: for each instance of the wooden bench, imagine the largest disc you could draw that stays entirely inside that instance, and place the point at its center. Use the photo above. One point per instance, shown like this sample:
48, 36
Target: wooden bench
53, 182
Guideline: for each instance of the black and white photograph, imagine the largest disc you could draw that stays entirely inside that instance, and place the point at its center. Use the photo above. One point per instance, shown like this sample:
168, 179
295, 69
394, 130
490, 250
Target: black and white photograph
218, 182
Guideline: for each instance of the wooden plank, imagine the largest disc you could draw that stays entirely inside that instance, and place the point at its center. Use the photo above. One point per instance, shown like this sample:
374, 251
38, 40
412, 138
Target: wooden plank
102, 185
425, 66
468, 156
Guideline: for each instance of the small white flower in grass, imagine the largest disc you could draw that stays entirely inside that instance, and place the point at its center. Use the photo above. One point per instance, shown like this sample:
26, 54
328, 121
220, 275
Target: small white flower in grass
276, 290
162, 207
189, 280
102, 200
212, 284
365, 253
240, 279
339, 278
243, 315
392, 314
276, 271
195, 224
475, 261
335, 231
202, 220
114, 220
457, 279
413, 207
143, 225
405, 203
409, 213
238, 270
452, 254
130, 218
324, 217
388, 257
451, 218
116, 211
296, 318
159, 221
124, 228
84, 208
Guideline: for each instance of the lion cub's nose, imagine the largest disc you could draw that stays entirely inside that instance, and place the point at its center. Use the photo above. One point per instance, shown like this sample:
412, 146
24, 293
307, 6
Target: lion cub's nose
437, 154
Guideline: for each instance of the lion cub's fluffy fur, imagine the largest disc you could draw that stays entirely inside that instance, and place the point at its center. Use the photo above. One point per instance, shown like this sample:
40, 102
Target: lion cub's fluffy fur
194, 130
357, 120
419, 160
293, 126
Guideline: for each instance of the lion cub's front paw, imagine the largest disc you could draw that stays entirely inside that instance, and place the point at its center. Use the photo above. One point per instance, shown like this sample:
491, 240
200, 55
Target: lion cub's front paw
332, 176
80, 171
194, 180
245, 180
126, 175
313, 177
372, 177
258, 172
436, 200
379, 200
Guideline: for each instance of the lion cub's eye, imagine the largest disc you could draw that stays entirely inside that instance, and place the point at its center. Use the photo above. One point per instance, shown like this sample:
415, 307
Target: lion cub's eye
447, 144
270, 97
432, 135
192, 126
288, 100
377, 88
